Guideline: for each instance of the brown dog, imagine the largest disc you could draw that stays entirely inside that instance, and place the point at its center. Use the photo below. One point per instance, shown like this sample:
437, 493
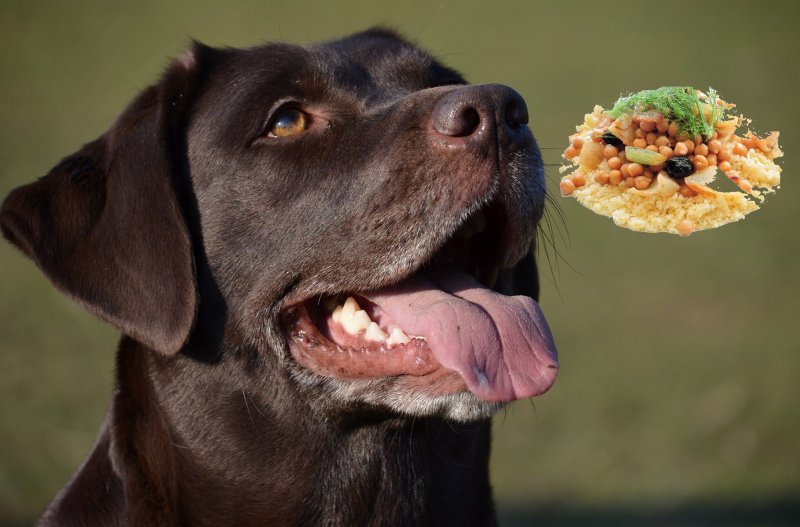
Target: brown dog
310, 253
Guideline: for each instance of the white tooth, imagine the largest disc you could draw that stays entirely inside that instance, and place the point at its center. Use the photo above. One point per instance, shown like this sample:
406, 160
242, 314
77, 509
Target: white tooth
337, 314
361, 320
397, 336
374, 332
350, 307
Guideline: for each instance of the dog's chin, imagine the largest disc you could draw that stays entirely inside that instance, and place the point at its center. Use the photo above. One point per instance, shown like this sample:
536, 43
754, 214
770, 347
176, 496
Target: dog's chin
439, 341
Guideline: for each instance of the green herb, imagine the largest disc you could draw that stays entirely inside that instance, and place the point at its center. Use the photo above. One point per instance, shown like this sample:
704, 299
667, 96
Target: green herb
682, 104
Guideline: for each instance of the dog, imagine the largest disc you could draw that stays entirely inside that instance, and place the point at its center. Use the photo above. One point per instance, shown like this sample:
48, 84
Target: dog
321, 262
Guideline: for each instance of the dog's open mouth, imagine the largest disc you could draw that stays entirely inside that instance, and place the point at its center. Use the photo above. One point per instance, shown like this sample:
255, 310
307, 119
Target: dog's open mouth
444, 319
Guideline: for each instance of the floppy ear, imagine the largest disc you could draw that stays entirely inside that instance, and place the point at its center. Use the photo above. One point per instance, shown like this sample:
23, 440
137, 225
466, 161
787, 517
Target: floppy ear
106, 226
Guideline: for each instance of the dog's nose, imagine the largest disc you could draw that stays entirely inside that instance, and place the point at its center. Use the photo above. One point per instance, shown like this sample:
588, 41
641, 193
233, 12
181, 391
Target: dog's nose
474, 112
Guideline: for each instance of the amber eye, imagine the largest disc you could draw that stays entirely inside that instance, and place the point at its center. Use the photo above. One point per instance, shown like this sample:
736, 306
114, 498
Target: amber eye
289, 121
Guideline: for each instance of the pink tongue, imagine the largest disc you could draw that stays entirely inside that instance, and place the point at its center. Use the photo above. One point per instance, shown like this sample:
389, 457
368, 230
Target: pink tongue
501, 345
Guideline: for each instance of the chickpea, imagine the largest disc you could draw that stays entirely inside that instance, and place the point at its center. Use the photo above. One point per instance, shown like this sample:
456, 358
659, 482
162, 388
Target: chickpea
635, 169
577, 142
601, 177
647, 126
665, 151
700, 162
739, 149
639, 142
686, 227
624, 170
614, 177
685, 191
651, 138
714, 146
642, 182
701, 149
689, 145
639, 133
614, 163
570, 152
661, 140
725, 166
657, 168
578, 179
662, 126
630, 182
610, 151
652, 148
712, 160
681, 149
724, 154
567, 187
672, 129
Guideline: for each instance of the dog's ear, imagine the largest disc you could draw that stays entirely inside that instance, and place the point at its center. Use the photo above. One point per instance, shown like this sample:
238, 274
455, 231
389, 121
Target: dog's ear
106, 224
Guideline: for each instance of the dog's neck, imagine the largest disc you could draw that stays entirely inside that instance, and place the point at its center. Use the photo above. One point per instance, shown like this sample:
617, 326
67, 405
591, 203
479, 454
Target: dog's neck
270, 465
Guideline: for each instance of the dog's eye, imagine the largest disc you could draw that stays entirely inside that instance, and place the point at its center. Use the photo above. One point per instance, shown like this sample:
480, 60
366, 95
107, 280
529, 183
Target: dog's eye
289, 121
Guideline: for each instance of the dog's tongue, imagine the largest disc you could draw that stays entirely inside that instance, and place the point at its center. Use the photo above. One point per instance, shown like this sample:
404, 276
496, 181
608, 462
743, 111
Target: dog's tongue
501, 345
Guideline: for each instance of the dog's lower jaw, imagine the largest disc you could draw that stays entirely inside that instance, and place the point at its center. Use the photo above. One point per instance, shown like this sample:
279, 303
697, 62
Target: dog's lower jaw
269, 465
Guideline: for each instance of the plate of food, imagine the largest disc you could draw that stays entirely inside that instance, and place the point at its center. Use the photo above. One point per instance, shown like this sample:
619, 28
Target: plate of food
649, 162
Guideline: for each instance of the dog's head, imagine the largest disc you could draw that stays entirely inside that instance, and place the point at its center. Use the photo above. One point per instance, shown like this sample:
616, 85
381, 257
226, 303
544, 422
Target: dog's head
350, 219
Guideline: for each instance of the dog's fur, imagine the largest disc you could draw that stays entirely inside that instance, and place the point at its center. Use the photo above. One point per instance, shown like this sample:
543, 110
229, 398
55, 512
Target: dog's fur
189, 230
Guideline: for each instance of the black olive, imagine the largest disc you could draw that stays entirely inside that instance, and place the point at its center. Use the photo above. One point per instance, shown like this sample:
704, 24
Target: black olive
679, 167
611, 139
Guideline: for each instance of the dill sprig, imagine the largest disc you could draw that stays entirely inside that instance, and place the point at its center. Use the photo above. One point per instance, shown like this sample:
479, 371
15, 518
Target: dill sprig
682, 104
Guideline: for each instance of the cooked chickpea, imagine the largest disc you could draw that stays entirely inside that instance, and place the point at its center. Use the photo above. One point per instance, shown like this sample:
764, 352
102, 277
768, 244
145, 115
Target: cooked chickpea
624, 170
614, 163
577, 142
601, 177
630, 182
639, 142
672, 129
570, 152
725, 166
657, 168
652, 148
647, 126
681, 149
689, 145
662, 126
614, 177
685, 191
661, 140
739, 149
714, 146
635, 169
651, 138
665, 151
686, 227
642, 182
567, 187
610, 151
700, 162
578, 179
724, 154
712, 159
639, 133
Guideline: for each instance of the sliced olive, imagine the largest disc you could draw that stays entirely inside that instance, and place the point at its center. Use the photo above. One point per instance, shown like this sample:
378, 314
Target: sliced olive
679, 167
611, 139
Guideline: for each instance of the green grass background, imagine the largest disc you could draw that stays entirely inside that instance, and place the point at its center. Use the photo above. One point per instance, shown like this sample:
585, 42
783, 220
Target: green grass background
677, 402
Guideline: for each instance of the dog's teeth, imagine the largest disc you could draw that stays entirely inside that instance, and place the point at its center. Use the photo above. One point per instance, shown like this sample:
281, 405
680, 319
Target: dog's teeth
374, 332
356, 323
350, 307
337, 314
397, 336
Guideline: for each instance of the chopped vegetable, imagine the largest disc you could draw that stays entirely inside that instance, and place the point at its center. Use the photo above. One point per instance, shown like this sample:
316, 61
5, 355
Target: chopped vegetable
695, 113
644, 156
591, 155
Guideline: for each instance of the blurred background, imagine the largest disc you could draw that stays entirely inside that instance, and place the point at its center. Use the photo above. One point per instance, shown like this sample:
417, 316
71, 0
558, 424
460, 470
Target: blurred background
677, 402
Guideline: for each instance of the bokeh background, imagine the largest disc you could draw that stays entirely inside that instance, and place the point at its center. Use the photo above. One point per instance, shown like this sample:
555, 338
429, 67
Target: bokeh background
678, 401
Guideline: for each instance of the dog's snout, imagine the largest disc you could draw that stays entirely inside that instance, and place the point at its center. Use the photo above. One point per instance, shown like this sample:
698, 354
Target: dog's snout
474, 112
